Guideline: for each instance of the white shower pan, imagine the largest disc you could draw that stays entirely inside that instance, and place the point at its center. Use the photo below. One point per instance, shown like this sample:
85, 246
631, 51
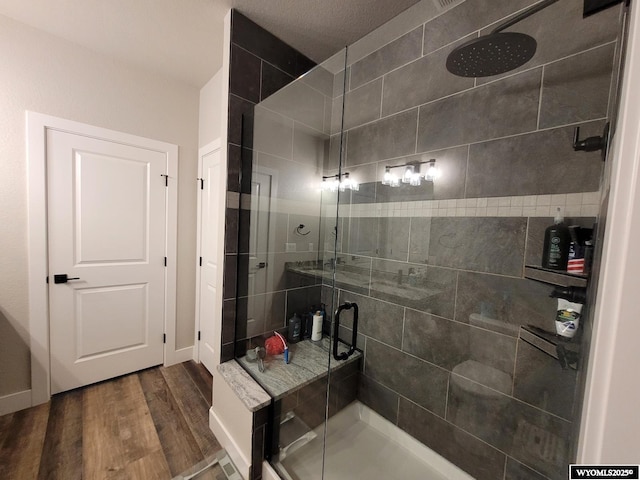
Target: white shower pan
363, 445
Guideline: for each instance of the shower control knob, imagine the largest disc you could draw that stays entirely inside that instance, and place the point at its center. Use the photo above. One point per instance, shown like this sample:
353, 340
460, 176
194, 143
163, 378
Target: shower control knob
591, 144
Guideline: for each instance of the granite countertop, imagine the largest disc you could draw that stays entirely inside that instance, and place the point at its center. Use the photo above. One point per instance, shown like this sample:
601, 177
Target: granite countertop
308, 361
245, 387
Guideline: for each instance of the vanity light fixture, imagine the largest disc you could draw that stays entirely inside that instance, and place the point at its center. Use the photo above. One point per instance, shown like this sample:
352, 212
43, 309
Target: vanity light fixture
334, 183
411, 173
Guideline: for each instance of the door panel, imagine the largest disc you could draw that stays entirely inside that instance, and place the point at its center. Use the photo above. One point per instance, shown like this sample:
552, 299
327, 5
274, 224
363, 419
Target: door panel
112, 228
210, 308
107, 232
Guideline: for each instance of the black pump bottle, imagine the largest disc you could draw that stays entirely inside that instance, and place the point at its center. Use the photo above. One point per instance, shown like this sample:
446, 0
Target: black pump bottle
557, 239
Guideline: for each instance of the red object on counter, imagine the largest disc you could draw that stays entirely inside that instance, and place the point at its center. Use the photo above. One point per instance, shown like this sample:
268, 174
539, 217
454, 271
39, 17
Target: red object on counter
273, 346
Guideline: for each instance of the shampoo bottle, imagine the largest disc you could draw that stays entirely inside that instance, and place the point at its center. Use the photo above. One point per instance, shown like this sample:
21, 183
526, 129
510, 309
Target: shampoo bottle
316, 334
295, 327
557, 239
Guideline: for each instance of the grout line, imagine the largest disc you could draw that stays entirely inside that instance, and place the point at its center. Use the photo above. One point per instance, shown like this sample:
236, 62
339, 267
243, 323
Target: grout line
381, 97
417, 130
515, 368
540, 93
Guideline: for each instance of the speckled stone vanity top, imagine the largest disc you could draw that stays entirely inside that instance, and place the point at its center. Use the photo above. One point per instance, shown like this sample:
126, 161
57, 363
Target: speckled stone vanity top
308, 362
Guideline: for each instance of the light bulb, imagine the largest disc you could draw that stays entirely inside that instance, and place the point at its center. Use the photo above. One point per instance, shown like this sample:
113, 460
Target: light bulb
416, 180
408, 173
432, 172
387, 177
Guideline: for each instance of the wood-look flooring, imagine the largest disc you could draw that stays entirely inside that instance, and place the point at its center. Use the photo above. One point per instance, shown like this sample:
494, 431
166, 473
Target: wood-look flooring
151, 424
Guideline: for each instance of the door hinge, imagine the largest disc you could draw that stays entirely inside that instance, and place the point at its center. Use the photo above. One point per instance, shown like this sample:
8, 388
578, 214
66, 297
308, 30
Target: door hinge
200, 261
165, 261
201, 183
164, 338
198, 334
166, 179
47, 279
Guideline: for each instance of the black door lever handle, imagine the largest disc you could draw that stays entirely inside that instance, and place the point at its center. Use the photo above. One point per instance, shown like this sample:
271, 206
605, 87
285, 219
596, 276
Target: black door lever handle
63, 278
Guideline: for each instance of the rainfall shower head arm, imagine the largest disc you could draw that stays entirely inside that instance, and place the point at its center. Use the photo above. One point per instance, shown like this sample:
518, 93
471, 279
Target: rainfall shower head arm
522, 15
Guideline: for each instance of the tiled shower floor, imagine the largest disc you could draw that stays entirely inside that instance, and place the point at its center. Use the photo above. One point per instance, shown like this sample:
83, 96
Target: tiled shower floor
357, 450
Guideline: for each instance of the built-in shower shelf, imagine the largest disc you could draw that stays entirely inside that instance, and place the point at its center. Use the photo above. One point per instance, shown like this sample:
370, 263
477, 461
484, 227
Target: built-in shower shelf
555, 277
566, 351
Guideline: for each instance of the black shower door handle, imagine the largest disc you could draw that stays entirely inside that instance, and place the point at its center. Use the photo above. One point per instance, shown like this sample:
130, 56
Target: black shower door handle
336, 331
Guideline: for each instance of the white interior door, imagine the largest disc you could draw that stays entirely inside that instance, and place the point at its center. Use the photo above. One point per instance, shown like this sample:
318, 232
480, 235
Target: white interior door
107, 233
211, 222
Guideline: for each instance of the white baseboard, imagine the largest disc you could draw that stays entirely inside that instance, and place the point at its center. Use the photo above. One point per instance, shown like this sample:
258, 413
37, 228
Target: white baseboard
226, 440
15, 401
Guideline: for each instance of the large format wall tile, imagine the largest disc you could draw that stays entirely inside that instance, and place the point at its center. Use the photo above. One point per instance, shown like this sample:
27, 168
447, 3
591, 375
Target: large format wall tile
267, 46
397, 53
560, 31
393, 238
419, 239
534, 164
353, 273
387, 138
541, 381
272, 80
273, 133
428, 289
376, 319
265, 313
526, 433
420, 82
361, 105
309, 147
240, 129
576, 89
419, 381
494, 245
300, 300
379, 398
362, 236
511, 302
466, 18
448, 344
517, 471
244, 76
299, 102
506, 107
474, 456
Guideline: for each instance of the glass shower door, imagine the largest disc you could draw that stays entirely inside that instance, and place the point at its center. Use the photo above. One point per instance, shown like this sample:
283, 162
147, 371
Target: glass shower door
288, 235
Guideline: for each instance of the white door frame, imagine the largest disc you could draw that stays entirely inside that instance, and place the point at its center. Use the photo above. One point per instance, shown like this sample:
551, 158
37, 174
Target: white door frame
36, 127
222, 184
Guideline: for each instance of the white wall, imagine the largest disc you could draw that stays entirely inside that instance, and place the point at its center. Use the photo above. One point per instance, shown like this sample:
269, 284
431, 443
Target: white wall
210, 105
45, 74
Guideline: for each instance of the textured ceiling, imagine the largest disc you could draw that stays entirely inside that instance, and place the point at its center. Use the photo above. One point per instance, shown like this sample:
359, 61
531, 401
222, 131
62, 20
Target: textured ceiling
183, 38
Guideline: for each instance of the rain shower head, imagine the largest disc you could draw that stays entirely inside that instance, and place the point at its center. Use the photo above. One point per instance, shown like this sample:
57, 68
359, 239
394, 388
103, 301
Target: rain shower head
498, 52
491, 54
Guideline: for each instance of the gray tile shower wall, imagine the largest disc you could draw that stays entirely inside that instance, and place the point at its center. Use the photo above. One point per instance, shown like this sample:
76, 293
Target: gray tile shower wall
260, 65
442, 296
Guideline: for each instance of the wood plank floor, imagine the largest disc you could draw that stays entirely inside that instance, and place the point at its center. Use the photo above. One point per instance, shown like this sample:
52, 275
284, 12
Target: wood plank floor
153, 424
